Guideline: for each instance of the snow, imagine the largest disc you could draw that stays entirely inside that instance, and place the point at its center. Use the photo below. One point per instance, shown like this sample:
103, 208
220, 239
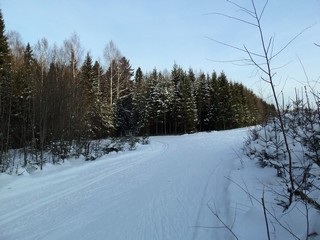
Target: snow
177, 187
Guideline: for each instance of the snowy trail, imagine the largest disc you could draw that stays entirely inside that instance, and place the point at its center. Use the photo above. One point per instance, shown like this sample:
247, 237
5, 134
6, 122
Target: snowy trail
160, 191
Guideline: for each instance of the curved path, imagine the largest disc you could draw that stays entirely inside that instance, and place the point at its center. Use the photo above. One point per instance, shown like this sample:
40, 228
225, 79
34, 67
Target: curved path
165, 190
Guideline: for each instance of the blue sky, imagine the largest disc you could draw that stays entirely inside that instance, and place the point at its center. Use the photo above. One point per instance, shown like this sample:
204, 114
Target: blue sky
160, 33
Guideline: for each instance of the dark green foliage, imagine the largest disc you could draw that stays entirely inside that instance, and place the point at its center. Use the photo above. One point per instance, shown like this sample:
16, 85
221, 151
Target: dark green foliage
202, 96
6, 94
90, 94
140, 103
124, 117
183, 102
189, 109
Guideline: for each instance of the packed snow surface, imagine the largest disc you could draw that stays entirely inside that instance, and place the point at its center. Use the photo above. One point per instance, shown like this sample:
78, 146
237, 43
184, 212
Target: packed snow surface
177, 187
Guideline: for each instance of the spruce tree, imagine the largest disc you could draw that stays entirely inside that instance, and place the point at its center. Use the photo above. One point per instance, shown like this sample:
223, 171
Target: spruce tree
152, 101
138, 77
202, 102
88, 98
140, 103
189, 110
224, 103
6, 90
24, 112
103, 118
177, 75
213, 112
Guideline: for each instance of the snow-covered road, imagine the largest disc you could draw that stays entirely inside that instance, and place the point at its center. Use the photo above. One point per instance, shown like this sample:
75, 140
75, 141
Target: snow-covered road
165, 190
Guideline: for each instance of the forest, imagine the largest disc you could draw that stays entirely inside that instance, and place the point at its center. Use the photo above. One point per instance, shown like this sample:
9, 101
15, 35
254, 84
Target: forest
51, 95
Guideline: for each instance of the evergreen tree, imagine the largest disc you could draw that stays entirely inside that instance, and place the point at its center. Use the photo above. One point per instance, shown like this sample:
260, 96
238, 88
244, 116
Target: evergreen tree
140, 103
152, 101
6, 90
124, 117
202, 102
176, 106
87, 89
214, 111
138, 77
224, 103
189, 110
57, 98
97, 78
23, 112
164, 95
123, 97
103, 116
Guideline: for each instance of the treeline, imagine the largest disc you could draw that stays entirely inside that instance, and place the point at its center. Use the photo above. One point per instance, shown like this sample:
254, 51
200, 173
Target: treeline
48, 94
182, 102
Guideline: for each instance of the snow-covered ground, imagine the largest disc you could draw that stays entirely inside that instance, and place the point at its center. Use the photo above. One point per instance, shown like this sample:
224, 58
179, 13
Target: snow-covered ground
177, 187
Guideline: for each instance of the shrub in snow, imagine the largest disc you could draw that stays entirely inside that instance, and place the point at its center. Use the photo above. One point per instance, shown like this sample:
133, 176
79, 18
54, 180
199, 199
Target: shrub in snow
111, 148
145, 140
266, 145
60, 150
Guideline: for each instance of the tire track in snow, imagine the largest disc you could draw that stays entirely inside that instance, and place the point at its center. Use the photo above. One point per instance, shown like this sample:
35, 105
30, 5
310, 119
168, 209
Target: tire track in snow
215, 194
79, 186
204, 202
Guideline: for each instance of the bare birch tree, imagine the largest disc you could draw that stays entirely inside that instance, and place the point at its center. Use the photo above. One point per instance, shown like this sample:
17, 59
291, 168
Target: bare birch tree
112, 56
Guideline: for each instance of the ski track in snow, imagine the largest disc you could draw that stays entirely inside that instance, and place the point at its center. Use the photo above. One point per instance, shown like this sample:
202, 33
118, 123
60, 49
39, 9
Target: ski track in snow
160, 191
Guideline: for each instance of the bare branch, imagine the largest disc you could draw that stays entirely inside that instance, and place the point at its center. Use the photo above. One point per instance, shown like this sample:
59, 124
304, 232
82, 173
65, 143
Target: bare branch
226, 61
222, 227
264, 7
270, 44
267, 210
223, 223
292, 40
236, 62
234, 47
282, 66
265, 215
248, 11
235, 18
303, 68
265, 80
254, 62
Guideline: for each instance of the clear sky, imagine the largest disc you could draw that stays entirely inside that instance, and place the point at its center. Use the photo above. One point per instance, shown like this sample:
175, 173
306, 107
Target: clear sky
154, 33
